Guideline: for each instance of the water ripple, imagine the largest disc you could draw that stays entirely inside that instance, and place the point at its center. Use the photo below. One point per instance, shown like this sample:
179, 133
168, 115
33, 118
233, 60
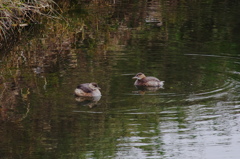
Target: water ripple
209, 55
215, 93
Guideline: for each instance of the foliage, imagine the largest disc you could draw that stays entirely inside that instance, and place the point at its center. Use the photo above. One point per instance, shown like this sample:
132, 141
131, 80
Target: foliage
17, 14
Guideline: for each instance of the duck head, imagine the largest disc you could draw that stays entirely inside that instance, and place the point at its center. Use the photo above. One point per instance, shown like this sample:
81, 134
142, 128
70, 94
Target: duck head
94, 86
139, 76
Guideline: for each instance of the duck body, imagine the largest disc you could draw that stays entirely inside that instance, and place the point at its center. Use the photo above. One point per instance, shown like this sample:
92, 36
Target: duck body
87, 90
149, 81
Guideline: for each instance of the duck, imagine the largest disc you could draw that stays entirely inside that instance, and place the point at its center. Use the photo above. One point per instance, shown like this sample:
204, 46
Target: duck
147, 81
88, 90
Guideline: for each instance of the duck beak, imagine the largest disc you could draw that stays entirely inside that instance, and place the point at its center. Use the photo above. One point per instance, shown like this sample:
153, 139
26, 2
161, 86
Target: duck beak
98, 87
135, 77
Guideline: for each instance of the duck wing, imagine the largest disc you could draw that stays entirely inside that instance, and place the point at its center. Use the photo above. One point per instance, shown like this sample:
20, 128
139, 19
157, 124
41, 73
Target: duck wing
149, 78
85, 87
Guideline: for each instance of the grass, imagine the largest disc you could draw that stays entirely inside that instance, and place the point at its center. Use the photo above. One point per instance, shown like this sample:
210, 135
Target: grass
16, 14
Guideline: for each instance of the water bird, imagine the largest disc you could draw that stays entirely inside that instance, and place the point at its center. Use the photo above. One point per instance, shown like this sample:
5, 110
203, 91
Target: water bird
147, 81
88, 90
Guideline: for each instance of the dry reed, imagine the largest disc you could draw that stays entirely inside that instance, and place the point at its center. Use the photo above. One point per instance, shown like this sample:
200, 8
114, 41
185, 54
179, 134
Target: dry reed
16, 14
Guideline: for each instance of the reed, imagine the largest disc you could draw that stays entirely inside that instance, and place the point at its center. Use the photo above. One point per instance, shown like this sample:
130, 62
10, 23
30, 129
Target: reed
17, 14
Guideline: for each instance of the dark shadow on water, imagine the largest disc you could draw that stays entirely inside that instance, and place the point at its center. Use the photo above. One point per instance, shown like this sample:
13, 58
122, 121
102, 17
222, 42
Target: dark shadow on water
88, 101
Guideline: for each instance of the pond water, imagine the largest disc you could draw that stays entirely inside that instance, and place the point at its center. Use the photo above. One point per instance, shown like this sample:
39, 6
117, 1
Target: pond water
192, 46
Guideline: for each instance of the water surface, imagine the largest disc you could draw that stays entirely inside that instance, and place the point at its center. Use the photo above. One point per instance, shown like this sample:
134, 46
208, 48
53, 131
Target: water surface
192, 46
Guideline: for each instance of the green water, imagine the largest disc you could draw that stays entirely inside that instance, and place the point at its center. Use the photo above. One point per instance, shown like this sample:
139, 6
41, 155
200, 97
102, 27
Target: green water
192, 46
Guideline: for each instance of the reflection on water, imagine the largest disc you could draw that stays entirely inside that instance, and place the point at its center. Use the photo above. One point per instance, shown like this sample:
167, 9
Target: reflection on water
88, 101
143, 89
195, 115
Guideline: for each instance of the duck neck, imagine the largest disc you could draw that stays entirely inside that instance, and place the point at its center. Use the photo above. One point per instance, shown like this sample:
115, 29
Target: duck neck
96, 92
141, 79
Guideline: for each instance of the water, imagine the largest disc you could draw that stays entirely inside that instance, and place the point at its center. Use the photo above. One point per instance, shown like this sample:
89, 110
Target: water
193, 47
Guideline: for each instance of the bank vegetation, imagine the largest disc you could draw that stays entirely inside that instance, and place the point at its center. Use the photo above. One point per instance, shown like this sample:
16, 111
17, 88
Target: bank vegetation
17, 14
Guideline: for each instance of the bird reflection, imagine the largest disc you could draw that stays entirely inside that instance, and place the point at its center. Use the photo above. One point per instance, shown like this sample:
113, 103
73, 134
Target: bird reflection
88, 101
144, 89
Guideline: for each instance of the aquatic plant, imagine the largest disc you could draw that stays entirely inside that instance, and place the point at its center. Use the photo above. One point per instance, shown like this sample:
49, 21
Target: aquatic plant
17, 14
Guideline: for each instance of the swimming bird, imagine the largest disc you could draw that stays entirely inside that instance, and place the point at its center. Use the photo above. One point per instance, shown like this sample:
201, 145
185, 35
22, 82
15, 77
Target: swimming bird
149, 81
88, 90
